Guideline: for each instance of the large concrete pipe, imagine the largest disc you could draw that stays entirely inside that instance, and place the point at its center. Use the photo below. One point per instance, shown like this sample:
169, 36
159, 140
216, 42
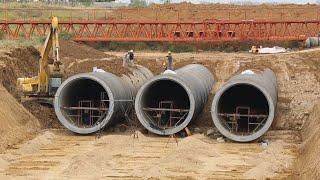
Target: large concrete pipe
87, 102
312, 42
167, 103
244, 107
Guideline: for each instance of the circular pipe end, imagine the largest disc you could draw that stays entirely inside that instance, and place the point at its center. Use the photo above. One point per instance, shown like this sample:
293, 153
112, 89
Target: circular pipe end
165, 105
243, 110
84, 103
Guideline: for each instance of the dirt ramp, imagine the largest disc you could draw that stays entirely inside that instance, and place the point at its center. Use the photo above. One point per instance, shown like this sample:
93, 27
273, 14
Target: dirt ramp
308, 163
16, 123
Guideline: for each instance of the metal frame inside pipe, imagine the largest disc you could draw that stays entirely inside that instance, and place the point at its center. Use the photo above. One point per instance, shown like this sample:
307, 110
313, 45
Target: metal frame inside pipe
167, 103
244, 107
87, 102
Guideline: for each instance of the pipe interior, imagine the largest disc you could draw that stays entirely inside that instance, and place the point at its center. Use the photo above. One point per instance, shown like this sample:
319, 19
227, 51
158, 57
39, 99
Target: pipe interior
243, 109
83, 102
159, 98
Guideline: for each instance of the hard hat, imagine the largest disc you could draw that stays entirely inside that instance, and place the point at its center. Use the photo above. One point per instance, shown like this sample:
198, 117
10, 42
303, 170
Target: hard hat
169, 52
131, 50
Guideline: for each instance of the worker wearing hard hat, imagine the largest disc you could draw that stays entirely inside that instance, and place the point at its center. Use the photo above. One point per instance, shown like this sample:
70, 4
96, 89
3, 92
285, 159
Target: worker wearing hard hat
131, 57
169, 64
128, 59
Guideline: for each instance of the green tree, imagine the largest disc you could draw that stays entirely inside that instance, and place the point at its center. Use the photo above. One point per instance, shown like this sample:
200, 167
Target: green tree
138, 3
166, 1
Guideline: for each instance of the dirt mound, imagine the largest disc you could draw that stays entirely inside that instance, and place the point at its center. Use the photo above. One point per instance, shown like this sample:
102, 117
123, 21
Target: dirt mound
194, 12
24, 62
17, 124
80, 58
113, 65
20, 62
308, 162
75, 50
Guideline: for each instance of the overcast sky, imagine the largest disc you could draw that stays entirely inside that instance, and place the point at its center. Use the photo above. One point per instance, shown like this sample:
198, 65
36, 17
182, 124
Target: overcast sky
232, 1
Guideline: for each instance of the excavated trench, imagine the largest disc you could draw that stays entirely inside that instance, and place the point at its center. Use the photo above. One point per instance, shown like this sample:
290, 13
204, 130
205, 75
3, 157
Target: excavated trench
309, 153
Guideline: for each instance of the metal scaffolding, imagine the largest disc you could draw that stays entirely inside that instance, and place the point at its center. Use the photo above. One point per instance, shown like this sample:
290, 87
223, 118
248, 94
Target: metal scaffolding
166, 115
88, 112
242, 114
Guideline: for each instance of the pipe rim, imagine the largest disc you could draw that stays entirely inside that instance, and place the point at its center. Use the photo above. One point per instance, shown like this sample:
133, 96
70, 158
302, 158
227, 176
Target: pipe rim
228, 134
139, 110
65, 122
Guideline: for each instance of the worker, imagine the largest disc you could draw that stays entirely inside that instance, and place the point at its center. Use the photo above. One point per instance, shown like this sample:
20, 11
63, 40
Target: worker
131, 57
128, 59
169, 62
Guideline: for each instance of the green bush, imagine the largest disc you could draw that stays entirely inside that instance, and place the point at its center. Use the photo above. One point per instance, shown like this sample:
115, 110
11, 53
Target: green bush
63, 35
2, 35
189, 47
292, 44
140, 46
138, 3
179, 47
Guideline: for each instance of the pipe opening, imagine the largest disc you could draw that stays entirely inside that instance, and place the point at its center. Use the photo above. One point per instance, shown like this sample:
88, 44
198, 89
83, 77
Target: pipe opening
84, 102
165, 104
243, 109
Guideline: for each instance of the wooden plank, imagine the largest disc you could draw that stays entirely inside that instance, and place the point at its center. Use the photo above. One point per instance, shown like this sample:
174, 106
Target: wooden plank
86, 108
166, 109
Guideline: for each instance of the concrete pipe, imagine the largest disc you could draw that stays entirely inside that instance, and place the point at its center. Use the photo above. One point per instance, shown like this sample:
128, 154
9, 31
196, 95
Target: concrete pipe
244, 107
312, 42
87, 102
167, 103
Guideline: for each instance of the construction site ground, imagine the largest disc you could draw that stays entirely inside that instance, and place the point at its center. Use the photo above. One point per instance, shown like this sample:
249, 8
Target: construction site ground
35, 146
166, 12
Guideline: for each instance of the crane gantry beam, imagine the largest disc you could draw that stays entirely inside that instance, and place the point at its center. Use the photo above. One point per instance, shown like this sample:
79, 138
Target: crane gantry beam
144, 31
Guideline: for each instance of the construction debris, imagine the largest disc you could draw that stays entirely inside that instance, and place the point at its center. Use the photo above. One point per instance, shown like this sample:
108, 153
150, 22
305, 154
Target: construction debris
267, 50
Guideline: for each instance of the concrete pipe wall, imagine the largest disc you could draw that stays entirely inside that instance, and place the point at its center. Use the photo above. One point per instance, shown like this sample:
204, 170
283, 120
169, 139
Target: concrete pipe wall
188, 89
109, 96
244, 107
312, 42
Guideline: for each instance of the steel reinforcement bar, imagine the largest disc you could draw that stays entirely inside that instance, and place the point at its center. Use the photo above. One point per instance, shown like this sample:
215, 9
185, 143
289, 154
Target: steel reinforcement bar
144, 31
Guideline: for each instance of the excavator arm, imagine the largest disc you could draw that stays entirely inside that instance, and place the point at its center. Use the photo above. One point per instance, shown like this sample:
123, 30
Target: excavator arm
47, 68
50, 70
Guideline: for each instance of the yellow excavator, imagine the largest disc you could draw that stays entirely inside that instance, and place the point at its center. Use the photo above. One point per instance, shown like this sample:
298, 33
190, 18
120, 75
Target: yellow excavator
44, 86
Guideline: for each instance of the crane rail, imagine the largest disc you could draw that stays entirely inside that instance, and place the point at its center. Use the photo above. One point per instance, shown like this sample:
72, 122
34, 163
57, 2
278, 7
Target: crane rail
171, 31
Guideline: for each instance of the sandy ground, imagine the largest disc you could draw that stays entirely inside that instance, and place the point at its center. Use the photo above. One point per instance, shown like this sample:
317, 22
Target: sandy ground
308, 162
62, 155
200, 12
16, 123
